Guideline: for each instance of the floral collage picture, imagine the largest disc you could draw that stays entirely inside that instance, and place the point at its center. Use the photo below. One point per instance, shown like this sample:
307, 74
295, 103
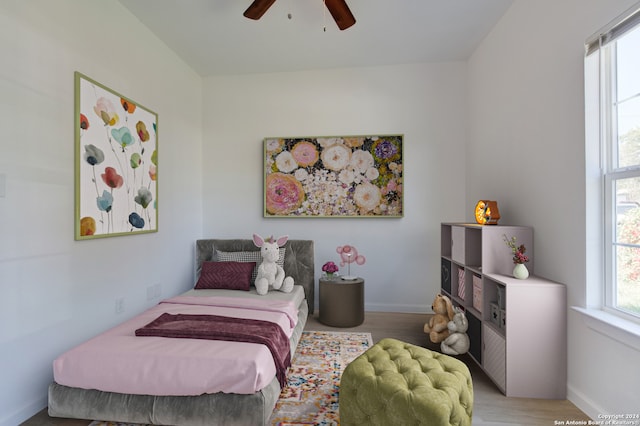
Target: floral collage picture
350, 176
116, 163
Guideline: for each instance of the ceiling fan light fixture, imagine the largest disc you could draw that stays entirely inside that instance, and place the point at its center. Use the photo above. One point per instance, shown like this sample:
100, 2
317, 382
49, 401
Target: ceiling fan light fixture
338, 9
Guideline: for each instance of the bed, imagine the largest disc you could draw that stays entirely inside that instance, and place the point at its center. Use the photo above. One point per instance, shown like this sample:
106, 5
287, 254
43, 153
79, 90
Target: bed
238, 406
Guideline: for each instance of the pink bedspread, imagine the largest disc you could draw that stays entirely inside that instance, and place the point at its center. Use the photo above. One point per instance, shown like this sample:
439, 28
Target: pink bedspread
118, 361
216, 327
279, 306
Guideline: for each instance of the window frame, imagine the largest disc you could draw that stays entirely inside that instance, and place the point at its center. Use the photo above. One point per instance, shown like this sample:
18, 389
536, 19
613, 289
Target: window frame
601, 104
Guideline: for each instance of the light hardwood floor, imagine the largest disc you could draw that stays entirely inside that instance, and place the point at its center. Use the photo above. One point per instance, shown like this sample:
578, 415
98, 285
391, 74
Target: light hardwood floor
491, 407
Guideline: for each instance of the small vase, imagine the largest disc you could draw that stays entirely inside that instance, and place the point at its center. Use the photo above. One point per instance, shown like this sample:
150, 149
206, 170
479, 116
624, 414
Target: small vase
520, 271
330, 276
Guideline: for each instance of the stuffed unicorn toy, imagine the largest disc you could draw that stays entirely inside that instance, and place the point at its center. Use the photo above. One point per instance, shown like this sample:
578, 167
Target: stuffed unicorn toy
270, 274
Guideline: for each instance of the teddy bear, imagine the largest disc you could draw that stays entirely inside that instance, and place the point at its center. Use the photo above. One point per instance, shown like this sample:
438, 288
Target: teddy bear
270, 274
458, 342
436, 328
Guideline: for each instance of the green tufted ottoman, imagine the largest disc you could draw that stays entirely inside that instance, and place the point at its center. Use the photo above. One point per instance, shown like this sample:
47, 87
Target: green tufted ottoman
396, 383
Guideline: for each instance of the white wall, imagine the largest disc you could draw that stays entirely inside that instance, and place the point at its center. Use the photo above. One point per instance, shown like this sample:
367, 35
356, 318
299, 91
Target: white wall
54, 291
426, 103
526, 150
520, 95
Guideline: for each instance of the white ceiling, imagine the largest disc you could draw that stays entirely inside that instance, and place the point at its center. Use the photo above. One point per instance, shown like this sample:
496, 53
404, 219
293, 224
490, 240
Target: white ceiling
213, 36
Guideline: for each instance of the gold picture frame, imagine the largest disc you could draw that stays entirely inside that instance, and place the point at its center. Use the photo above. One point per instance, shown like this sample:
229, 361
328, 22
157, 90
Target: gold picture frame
334, 176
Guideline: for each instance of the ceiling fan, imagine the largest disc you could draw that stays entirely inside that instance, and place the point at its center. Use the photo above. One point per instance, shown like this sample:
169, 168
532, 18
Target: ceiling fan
338, 8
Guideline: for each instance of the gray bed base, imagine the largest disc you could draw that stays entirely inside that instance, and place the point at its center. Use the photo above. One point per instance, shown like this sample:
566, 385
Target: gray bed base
223, 409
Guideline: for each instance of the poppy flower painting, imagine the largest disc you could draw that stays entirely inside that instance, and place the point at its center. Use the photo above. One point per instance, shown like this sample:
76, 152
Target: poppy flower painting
116, 174
343, 176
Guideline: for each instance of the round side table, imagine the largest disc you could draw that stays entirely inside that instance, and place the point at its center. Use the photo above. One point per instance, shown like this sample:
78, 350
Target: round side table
341, 302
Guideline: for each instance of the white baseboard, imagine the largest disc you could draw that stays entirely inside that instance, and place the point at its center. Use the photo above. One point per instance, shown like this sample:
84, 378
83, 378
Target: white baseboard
386, 307
578, 399
24, 413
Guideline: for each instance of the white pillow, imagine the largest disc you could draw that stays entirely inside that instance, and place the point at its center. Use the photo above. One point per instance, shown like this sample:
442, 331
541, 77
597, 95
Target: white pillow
246, 256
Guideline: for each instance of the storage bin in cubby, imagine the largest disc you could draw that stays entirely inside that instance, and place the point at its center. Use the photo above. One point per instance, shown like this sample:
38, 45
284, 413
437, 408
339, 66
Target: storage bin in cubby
461, 284
477, 292
445, 275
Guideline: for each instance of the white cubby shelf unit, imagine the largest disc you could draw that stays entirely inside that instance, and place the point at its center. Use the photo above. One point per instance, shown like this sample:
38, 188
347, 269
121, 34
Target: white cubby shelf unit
517, 328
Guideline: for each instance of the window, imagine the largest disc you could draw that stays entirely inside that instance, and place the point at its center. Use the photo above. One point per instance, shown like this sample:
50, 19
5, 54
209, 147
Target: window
612, 82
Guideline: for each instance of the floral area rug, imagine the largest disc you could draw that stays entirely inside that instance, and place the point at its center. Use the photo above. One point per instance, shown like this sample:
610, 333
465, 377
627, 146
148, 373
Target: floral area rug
311, 395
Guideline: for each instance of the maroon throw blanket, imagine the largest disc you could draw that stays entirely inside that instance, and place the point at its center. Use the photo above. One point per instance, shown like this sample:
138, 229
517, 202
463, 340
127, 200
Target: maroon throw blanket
215, 327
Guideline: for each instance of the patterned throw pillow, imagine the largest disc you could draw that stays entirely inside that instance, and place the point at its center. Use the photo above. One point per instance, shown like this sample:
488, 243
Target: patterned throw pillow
225, 275
246, 256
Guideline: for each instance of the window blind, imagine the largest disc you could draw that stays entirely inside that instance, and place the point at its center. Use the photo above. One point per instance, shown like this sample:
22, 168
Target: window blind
614, 30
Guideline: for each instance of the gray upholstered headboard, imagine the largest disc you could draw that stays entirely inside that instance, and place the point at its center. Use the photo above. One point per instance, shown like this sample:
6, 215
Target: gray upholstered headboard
298, 260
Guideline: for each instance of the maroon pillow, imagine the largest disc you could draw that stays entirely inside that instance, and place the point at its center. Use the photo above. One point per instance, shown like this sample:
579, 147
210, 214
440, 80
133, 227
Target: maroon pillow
225, 275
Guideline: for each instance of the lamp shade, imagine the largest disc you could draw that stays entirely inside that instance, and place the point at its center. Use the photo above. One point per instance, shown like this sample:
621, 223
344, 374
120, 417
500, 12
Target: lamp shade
487, 212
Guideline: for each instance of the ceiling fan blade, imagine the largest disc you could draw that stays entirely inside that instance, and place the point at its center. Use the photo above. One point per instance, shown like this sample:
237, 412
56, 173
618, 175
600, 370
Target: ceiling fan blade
341, 13
258, 8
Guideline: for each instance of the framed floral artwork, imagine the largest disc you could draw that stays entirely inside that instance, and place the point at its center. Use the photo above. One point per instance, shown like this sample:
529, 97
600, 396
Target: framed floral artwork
338, 176
116, 163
